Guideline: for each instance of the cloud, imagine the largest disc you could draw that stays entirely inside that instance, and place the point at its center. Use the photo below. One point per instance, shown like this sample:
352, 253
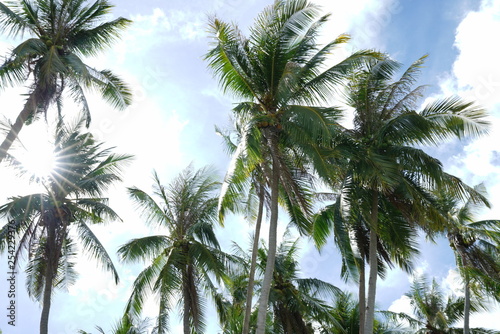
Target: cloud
364, 20
174, 25
401, 305
473, 70
474, 78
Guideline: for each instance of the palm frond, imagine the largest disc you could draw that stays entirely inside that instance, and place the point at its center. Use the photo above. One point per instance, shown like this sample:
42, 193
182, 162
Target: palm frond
96, 250
144, 249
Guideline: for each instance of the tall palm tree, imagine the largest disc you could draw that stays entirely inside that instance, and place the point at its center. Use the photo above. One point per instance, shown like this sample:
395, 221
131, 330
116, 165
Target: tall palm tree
280, 73
475, 245
343, 218
433, 312
183, 260
244, 191
60, 33
244, 188
382, 158
46, 223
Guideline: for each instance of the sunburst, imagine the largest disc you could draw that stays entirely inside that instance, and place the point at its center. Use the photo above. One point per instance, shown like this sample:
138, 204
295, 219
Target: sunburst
37, 158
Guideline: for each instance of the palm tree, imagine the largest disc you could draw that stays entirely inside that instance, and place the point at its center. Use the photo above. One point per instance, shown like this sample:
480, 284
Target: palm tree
231, 303
433, 313
243, 186
396, 244
244, 191
279, 72
297, 303
60, 33
182, 260
384, 166
384, 172
345, 311
46, 223
475, 244
126, 325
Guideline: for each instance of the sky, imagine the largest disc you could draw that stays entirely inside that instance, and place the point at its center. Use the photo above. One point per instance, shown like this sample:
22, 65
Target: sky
177, 102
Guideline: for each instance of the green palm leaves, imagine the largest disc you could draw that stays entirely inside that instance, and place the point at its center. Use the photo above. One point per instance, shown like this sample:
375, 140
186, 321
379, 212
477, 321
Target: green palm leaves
61, 32
386, 182
475, 244
296, 302
72, 200
280, 74
433, 312
184, 261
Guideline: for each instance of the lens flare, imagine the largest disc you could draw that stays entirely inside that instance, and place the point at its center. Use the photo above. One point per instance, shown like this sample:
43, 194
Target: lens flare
38, 159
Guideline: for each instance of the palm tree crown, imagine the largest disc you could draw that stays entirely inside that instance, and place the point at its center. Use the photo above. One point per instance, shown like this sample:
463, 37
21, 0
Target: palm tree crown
182, 260
281, 75
433, 312
60, 33
73, 198
475, 245
385, 173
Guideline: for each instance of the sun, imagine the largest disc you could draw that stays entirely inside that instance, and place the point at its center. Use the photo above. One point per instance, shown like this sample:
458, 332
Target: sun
37, 158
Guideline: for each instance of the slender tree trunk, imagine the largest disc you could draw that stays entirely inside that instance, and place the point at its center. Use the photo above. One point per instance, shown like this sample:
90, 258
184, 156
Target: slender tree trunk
186, 295
373, 261
29, 108
362, 294
273, 226
47, 292
467, 305
52, 260
255, 248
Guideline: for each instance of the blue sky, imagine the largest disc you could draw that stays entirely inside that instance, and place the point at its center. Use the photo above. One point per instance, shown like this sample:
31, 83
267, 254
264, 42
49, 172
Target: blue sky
177, 103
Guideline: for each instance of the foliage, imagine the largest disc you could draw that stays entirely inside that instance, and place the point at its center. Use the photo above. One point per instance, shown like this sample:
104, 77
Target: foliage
49, 61
46, 225
184, 261
433, 312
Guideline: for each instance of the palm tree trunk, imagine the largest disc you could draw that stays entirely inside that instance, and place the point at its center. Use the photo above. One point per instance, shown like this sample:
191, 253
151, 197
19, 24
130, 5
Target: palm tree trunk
29, 109
373, 261
362, 294
467, 306
52, 260
47, 292
273, 226
186, 295
255, 248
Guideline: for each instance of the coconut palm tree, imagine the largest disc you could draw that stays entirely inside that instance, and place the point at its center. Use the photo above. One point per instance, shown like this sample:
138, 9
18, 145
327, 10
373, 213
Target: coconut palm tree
183, 260
343, 219
475, 245
126, 325
49, 61
383, 161
244, 191
231, 303
281, 75
433, 312
345, 311
47, 224
296, 303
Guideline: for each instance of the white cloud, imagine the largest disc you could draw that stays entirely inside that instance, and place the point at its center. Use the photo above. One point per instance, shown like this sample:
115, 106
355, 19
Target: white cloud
452, 283
364, 20
474, 68
176, 24
475, 77
401, 305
